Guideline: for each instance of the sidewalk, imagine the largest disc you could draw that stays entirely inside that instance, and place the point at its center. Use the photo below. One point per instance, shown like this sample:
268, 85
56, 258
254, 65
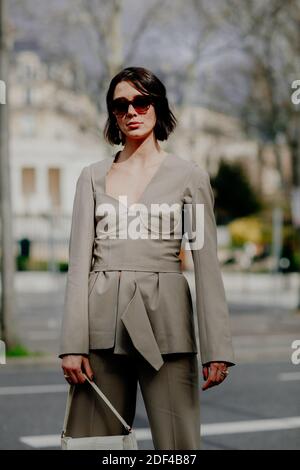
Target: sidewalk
248, 288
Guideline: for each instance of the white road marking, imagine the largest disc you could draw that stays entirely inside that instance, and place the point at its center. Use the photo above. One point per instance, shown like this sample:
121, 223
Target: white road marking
30, 389
259, 425
288, 376
50, 440
53, 440
213, 429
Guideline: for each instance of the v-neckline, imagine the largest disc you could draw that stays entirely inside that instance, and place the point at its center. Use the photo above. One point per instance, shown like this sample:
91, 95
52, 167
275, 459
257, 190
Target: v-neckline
142, 197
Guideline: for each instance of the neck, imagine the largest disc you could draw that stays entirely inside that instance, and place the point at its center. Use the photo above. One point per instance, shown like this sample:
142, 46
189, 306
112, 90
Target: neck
143, 150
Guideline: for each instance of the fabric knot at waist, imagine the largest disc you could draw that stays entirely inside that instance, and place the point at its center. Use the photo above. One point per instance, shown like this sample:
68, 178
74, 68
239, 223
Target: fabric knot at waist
134, 318
131, 312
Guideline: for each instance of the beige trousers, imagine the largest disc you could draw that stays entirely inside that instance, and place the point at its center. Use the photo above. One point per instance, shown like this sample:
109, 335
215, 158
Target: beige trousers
171, 397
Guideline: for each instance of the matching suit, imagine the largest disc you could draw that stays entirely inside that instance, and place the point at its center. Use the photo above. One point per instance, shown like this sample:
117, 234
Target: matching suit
129, 307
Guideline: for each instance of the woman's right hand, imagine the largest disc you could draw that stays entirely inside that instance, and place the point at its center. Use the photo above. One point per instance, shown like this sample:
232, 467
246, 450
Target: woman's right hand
74, 366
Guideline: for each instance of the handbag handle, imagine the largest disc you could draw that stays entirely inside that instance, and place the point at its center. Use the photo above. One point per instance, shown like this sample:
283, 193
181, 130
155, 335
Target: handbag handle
101, 394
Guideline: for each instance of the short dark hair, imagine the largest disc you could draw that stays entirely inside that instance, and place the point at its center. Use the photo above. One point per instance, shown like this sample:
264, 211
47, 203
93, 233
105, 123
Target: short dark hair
147, 83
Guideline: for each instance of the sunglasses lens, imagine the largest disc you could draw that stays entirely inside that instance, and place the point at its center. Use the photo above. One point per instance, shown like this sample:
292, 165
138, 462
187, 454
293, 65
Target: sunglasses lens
140, 104
119, 107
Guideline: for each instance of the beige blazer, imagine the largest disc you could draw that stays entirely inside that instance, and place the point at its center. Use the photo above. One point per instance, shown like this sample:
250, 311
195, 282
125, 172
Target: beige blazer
128, 292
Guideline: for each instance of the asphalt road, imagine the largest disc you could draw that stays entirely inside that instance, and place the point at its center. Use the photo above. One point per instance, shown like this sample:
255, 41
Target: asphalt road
257, 407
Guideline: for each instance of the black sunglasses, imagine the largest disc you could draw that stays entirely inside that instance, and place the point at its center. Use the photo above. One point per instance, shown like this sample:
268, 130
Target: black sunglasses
141, 104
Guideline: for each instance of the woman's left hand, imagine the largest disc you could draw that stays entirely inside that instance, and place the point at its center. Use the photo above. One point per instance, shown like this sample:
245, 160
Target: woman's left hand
214, 373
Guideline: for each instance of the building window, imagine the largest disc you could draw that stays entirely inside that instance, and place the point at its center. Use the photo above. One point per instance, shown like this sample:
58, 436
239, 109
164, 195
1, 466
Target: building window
28, 181
54, 186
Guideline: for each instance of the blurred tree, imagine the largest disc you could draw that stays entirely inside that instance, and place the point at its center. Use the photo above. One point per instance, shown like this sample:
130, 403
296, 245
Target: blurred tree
85, 35
234, 196
272, 48
235, 57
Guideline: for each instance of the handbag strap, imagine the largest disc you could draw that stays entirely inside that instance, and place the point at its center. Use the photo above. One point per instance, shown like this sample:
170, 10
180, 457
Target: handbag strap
101, 394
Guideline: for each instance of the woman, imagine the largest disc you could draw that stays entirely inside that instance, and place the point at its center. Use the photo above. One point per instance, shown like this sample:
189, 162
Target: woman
128, 310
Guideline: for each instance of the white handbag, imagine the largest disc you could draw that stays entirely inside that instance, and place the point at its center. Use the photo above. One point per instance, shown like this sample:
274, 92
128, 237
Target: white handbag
123, 442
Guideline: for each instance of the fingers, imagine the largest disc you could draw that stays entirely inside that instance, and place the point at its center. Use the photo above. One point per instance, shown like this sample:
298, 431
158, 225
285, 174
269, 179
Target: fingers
74, 375
71, 366
220, 376
216, 375
205, 373
79, 375
87, 368
211, 381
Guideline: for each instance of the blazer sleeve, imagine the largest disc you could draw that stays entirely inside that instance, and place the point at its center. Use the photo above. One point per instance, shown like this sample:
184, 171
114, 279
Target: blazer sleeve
212, 310
74, 337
